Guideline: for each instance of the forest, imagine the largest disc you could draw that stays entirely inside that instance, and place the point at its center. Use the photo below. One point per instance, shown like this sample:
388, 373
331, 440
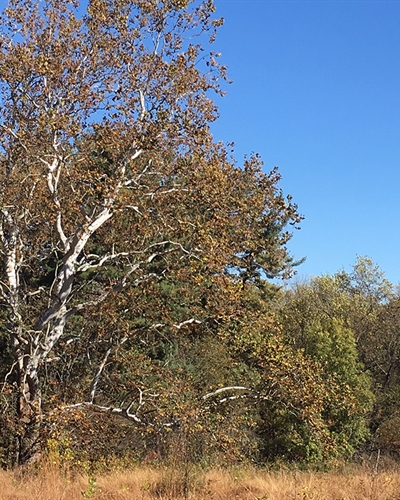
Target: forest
145, 306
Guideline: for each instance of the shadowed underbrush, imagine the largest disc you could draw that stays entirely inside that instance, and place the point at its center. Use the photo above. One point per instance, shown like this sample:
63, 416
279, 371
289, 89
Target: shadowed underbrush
148, 483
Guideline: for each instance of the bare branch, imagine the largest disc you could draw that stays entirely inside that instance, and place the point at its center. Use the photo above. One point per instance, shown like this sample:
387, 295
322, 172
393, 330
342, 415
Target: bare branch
187, 322
142, 105
93, 265
225, 389
96, 378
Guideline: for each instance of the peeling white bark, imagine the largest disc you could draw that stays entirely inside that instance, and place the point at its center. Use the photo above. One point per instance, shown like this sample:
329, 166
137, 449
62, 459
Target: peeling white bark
33, 347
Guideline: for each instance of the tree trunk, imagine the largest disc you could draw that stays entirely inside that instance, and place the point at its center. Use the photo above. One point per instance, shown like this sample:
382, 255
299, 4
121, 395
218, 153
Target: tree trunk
28, 410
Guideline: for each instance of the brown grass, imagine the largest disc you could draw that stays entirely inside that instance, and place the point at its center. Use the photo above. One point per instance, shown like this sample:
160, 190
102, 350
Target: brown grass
169, 484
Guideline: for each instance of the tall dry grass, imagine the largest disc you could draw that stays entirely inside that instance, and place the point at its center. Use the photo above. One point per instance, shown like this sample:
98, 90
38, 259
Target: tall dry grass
170, 484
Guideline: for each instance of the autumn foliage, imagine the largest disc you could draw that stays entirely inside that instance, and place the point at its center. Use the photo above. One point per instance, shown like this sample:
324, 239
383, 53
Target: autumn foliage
138, 313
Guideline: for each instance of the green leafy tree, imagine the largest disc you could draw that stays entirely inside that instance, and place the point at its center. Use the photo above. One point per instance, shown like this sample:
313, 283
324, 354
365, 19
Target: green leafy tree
374, 317
316, 321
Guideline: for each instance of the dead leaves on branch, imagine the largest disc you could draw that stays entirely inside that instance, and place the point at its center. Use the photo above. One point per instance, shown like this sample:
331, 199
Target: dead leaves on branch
114, 197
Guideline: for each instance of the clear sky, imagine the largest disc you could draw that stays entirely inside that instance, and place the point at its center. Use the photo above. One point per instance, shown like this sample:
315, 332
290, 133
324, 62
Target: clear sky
317, 93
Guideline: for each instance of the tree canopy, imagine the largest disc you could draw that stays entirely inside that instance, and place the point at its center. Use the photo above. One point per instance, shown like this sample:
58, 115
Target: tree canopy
139, 260
113, 191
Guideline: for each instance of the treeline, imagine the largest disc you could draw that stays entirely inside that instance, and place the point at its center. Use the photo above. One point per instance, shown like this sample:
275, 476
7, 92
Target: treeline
305, 374
139, 315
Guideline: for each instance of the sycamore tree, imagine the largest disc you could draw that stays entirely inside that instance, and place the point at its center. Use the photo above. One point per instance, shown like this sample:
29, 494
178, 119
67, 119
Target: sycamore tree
110, 181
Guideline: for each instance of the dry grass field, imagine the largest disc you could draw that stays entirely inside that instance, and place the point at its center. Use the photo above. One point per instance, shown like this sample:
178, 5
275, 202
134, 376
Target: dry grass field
168, 484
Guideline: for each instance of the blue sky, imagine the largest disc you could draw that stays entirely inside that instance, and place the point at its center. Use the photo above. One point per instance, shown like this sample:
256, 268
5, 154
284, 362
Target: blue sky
317, 93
